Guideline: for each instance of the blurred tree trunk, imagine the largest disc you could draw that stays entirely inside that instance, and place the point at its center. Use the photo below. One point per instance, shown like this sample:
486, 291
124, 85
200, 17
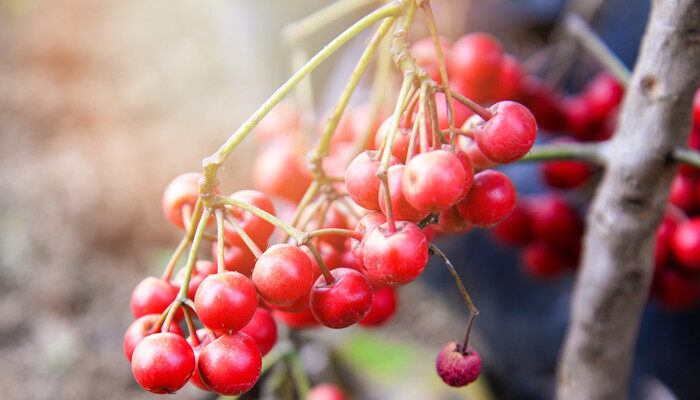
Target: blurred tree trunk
617, 265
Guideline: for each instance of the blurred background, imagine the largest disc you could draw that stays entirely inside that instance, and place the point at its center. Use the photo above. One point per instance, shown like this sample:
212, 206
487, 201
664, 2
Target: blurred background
102, 102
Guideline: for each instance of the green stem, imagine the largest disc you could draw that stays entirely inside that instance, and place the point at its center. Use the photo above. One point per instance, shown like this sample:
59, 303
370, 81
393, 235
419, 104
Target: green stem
312, 23
686, 155
167, 274
588, 152
295, 233
190, 325
211, 164
336, 231
301, 381
244, 235
220, 242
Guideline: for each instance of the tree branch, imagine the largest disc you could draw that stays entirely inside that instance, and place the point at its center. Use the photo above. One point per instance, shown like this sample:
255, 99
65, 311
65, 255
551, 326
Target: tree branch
589, 152
686, 155
617, 264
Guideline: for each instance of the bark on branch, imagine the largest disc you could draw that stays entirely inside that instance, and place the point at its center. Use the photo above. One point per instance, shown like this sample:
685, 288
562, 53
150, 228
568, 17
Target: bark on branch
617, 265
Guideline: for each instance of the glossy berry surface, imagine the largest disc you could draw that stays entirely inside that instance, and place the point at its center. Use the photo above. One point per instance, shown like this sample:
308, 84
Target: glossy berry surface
141, 328
181, 191
361, 180
401, 140
283, 274
152, 296
490, 200
226, 302
457, 369
344, 302
383, 307
262, 329
402, 209
163, 363
395, 258
236, 258
509, 134
475, 62
279, 170
205, 337
686, 244
230, 365
434, 180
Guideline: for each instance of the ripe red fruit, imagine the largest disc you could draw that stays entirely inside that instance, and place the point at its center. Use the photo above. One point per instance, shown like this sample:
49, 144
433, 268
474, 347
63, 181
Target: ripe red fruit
205, 337
675, 290
475, 62
236, 258
683, 192
509, 79
603, 94
579, 118
476, 158
365, 225
202, 269
330, 257
509, 134
542, 260
423, 51
403, 210
457, 369
262, 329
401, 139
299, 320
451, 221
226, 302
361, 179
181, 191
257, 228
554, 220
461, 112
434, 180
565, 174
686, 244
696, 108
283, 274
153, 296
396, 258
544, 102
342, 303
141, 328
279, 170
490, 200
516, 228
163, 363
230, 365
383, 307
325, 391
334, 218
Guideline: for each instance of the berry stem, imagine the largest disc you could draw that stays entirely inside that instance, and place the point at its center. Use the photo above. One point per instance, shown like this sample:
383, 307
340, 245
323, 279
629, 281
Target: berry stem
465, 344
190, 325
467, 299
301, 381
220, 268
244, 235
594, 153
211, 164
686, 155
305, 200
483, 112
296, 31
295, 233
321, 264
432, 108
336, 231
167, 274
579, 29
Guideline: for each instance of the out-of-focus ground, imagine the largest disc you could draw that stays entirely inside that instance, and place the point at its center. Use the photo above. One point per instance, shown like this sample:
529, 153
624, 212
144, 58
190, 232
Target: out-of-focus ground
102, 102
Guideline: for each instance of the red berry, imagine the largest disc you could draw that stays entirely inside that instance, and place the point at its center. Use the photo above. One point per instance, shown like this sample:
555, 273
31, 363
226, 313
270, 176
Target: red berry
239, 259
542, 260
361, 180
451, 221
325, 391
181, 191
554, 220
683, 192
565, 174
230, 365
490, 200
153, 296
205, 337
461, 112
226, 302
257, 228
475, 62
423, 51
383, 307
476, 158
580, 120
163, 363
299, 320
279, 123
696, 108
202, 269
395, 258
509, 134
330, 257
283, 274
279, 170
434, 180
457, 369
344, 302
509, 79
365, 225
603, 94
675, 290
516, 228
403, 210
664, 236
401, 139
334, 218
141, 328
686, 244
544, 103
262, 329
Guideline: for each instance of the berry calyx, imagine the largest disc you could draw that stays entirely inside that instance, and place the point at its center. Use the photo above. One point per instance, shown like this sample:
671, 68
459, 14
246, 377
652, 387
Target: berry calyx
343, 302
141, 328
395, 258
262, 329
226, 302
458, 368
435, 180
283, 274
490, 200
163, 363
230, 365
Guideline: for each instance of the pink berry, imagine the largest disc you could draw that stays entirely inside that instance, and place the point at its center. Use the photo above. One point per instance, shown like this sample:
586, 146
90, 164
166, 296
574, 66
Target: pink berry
262, 329
456, 368
434, 180
509, 134
686, 244
403, 210
395, 258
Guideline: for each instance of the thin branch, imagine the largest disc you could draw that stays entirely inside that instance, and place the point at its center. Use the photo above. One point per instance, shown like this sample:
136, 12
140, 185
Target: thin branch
593, 153
686, 155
